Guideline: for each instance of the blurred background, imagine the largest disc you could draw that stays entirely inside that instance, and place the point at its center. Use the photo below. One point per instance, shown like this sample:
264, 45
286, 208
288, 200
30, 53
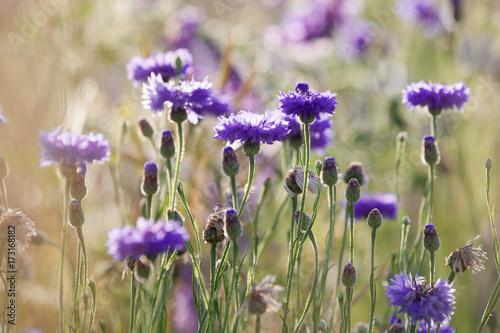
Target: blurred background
62, 62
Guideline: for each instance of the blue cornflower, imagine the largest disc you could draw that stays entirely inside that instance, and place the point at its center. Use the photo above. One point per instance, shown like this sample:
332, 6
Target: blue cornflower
148, 238
307, 104
436, 96
384, 202
249, 127
320, 131
139, 69
72, 148
194, 97
420, 301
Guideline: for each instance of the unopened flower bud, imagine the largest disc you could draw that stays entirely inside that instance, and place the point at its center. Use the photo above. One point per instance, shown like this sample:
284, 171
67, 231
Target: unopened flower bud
330, 172
406, 220
488, 164
355, 170
349, 277
319, 166
78, 188
251, 148
304, 222
402, 136
374, 219
176, 216
76, 215
353, 191
362, 328
396, 328
232, 225
230, 164
146, 128
178, 115
150, 179
430, 151
4, 168
431, 238
167, 146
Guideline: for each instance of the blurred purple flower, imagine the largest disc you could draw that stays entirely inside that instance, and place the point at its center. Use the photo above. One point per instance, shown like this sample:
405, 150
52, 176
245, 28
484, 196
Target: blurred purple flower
139, 69
72, 148
422, 302
422, 326
424, 13
193, 96
320, 131
148, 238
354, 38
436, 96
249, 127
307, 104
384, 202
183, 29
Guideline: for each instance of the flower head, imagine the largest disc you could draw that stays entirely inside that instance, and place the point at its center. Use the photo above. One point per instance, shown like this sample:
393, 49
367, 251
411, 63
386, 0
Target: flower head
15, 226
321, 132
307, 104
465, 257
148, 238
422, 302
60, 146
436, 96
139, 69
263, 297
249, 127
194, 97
424, 13
384, 202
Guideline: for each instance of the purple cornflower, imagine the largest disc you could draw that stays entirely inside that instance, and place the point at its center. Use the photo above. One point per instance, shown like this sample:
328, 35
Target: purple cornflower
424, 13
422, 302
60, 146
354, 39
422, 326
436, 96
307, 104
148, 238
249, 127
321, 132
139, 69
384, 202
193, 96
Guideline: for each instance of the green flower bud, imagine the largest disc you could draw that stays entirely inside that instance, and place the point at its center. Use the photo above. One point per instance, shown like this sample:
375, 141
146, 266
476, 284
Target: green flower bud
232, 225
330, 172
167, 146
353, 191
430, 151
146, 128
230, 164
374, 219
431, 238
76, 215
349, 277
251, 148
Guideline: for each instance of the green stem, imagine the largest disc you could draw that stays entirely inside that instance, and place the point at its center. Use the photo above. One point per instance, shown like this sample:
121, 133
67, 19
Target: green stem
133, 293
257, 324
350, 208
307, 144
348, 301
492, 221
234, 285
341, 257
315, 281
434, 128
490, 305
4, 195
211, 310
373, 291
78, 273
177, 164
251, 159
63, 251
402, 248
235, 192
431, 195
432, 259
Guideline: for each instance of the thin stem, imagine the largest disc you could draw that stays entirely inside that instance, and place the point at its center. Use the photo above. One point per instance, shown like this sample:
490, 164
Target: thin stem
307, 143
78, 273
4, 195
431, 193
234, 283
257, 324
348, 301
350, 208
63, 251
402, 248
251, 159
492, 220
373, 291
177, 164
432, 259
235, 193
211, 310
133, 292
433, 127
341, 257
490, 305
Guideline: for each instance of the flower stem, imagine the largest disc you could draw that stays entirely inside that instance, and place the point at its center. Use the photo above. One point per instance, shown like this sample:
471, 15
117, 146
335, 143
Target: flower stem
63, 251
348, 303
373, 290
180, 136
235, 192
402, 248
431, 193
257, 324
133, 293
350, 208
432, 259
4, 195
341, 257
251, 159
213, 260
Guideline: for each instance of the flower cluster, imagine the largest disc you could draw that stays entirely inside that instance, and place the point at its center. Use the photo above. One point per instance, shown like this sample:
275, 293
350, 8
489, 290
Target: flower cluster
420, 301
195, 97
249, 127
139, 69
436, 96
307, 104
61, 146
148, 238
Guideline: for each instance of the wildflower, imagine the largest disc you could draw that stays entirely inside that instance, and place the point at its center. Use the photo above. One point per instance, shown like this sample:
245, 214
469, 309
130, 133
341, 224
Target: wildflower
149, 184
167, 146
191, 97
147, 238
353, 192
230, 164
431, 240
304, 222
384, 202
78, 188
465, 257
321, 133
424, 13
146, 128
263, 297
422, 302
307, 104
76, 215
139, 69
375, 219
330, 172
436, 96
61, 146
232, 225
214, 230
14, 221
430, 152
349, 277
294, 181
252, 128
